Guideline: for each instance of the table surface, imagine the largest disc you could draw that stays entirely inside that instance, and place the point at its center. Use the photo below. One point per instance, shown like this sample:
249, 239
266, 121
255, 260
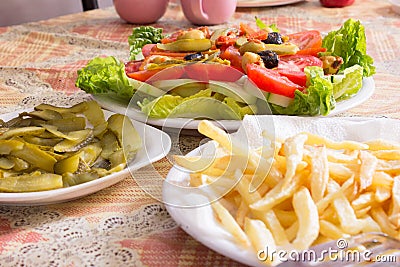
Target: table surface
122, 225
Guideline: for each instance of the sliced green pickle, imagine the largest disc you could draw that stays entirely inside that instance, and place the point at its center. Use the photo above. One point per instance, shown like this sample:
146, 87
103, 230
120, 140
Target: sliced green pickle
126, 134
70, 164
36, 157
30, 130
31, 183
6, 146
69, 124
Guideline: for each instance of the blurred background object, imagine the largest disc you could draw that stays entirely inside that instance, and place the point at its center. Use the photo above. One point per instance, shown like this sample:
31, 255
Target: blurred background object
21, 11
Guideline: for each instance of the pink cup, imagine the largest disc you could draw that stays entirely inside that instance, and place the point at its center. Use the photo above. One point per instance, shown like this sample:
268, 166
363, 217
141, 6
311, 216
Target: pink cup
139, 11
208, 12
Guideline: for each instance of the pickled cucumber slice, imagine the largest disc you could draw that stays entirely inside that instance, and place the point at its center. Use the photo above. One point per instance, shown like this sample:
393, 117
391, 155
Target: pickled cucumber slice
31, 183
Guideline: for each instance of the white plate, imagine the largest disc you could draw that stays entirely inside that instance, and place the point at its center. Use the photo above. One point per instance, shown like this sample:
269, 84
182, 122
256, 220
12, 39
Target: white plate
199, 222
230, 125
156, 145
265, 3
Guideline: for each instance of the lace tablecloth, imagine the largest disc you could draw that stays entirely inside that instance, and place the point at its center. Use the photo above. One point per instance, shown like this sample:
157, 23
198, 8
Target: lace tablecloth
122, 225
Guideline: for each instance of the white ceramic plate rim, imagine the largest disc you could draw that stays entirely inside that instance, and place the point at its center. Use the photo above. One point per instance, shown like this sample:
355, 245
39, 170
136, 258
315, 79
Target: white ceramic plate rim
265, 3
210, 233
230, 125
150, 152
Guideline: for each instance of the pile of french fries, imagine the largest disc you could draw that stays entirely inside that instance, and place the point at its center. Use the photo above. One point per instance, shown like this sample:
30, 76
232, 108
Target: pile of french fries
299, 192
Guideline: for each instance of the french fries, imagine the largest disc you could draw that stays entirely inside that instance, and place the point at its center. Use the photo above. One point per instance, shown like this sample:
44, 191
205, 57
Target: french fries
316, 189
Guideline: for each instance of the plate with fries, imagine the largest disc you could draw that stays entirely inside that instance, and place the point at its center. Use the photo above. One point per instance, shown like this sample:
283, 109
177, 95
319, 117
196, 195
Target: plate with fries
287, 184
153, 145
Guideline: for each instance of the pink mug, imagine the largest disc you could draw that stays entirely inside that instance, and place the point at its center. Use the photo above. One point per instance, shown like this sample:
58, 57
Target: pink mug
208, 12
139, 11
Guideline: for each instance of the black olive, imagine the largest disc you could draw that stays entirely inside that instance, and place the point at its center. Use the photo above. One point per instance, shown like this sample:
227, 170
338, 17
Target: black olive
273, 38
194, 56
270, 58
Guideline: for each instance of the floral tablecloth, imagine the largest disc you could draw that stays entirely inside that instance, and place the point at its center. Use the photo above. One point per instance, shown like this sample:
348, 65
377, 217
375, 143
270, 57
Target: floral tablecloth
123, 225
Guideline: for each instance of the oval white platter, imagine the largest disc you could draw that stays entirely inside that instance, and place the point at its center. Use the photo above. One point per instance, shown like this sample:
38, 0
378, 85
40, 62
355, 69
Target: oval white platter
118, 106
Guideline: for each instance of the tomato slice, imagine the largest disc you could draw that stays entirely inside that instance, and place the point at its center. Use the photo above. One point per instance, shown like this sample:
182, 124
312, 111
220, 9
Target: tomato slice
298, 77
232, 54
142, 75
311, 51
213, 71
306, 40
271, 81
259, 35
301, 61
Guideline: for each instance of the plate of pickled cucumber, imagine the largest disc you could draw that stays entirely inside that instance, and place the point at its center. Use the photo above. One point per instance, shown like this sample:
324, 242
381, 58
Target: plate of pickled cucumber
52, 154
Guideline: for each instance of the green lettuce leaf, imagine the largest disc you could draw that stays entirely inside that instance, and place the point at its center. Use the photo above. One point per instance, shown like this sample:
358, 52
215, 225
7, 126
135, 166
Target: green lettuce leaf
203, 104
105, 75
239, 107
349, 42
140, 37
350, 84
262, 26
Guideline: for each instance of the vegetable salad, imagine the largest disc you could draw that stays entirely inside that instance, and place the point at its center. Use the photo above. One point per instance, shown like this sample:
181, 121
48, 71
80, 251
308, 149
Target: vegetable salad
300, 73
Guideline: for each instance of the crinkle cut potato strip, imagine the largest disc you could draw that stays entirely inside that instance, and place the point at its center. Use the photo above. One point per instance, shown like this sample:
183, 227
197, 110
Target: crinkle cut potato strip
315, 191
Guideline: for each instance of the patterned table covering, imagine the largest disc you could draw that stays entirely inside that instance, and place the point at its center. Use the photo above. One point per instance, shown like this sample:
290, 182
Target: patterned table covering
122, 225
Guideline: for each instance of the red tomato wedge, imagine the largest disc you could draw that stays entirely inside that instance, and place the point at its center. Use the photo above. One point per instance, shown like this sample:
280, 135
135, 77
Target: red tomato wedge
271, 81
142, 75
213, 71
309, 42
293, 66
301, 61
298, 77
157, 74
311, 51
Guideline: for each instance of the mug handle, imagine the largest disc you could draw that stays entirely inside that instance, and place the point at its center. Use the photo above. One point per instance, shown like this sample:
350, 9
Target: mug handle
197, 5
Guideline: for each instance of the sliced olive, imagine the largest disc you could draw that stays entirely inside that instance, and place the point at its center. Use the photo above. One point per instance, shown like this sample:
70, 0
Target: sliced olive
273, 38
195, 56
269, 58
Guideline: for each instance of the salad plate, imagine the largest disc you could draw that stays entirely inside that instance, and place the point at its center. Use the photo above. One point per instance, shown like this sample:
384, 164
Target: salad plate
191, 209
156, 145
265, 3
118, 106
